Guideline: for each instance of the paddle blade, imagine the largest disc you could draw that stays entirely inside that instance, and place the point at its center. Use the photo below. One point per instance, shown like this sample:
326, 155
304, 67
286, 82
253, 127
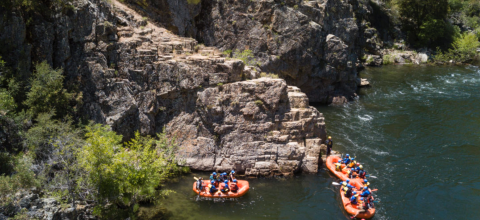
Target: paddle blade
335, 183
195, 178
374, 190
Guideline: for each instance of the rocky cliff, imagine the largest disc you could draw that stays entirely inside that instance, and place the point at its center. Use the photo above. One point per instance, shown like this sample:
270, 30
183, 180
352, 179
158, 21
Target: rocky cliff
314, 45
136, 75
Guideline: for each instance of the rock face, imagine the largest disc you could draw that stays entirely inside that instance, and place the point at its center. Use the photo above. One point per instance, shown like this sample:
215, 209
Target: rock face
259, 127
313, 45
135, 75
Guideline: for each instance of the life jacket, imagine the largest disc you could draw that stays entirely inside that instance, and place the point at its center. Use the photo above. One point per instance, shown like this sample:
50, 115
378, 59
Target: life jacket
351, 164
345, 189
365, 193
338, 166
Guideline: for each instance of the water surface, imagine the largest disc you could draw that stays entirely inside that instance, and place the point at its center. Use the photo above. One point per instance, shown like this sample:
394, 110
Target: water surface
416, 129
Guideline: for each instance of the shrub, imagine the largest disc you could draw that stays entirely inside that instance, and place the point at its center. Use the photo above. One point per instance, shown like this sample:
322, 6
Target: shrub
129, 173
246, 56
463, 49
258, 102
107, 24
47, 92
23, 178
388, 59
7, 103
227, 52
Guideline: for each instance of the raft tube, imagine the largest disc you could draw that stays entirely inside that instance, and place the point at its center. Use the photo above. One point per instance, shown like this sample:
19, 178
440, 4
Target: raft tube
353, 209
243, 188
331, 160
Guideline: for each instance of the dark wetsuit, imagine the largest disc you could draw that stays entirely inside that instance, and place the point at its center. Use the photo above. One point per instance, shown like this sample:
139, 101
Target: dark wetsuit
329, 146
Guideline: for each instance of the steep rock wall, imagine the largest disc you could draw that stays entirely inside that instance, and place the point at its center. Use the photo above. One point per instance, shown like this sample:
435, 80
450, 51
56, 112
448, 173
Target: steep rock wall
289, 38
135, 75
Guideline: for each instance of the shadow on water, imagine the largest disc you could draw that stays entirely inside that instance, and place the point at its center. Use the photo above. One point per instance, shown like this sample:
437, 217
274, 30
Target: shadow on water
416, 129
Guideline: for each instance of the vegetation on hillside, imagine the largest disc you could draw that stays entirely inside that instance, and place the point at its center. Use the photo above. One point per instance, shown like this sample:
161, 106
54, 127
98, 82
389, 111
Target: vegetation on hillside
49, 148
433, 24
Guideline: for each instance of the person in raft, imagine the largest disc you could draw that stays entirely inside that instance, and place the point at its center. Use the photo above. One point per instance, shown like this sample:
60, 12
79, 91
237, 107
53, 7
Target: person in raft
329, 144
365, 192
347, 182
346, 160
351, 173
353, 199
211, 187
234, 186
361, 173
365, 182
338, 166
232, 174
362, 207
199, 184
347, 190
352, 163
224, 187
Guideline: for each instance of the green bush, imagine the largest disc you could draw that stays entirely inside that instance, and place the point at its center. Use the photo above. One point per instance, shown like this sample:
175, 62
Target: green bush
246, 56
269, 75
463, 49
23, 178
47, 92
125, 174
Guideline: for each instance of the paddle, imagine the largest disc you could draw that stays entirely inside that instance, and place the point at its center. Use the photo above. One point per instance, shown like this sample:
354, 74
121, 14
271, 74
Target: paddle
371, 176
335, 183
195, 178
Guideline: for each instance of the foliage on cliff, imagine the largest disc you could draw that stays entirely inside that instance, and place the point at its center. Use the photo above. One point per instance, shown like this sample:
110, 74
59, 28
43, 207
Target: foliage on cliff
72, 161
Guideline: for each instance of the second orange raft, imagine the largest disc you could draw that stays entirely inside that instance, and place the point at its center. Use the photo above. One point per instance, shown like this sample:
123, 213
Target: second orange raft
243, 188
353, 209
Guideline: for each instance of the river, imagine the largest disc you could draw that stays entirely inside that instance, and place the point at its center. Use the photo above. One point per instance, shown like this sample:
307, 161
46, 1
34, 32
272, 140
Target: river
417, 129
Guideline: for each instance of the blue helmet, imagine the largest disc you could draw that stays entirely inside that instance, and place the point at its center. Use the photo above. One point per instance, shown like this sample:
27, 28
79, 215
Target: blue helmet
361, 199
365, 187
214, 173
353, 169
224, 173
354, 192
365, 180
226, 181
234, 181
348, 180
233, 171
212, 182
348, 155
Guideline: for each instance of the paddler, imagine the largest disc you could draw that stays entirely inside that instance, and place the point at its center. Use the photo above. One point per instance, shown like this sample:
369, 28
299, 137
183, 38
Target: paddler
346, 160
329, 144
224, 188
351, 173
234, 186
362, 207
365, 182
352, 163
347, 190
199, 185
338, 166
232, 174
353, 199
365, 192
347, 182
211, 187
361, 172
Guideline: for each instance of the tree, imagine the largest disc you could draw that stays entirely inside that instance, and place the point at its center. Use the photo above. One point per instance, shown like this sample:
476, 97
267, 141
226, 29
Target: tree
47, 92
424, 20
125, 174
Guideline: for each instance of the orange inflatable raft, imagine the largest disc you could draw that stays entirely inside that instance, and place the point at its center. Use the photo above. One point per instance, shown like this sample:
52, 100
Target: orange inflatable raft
243, 188
353, 209
331, 160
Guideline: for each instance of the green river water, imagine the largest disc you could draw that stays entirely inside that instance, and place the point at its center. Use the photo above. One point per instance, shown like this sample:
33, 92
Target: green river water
417, 129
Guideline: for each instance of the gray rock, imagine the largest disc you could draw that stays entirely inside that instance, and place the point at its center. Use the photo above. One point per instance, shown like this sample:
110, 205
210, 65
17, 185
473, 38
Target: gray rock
373, 60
